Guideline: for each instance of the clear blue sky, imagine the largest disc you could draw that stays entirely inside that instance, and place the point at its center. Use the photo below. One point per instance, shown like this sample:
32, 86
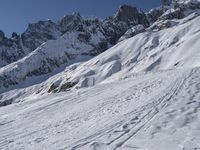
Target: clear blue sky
16, 14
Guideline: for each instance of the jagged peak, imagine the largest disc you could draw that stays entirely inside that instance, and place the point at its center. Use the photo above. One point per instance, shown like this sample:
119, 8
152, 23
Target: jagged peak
126, 12
74, 15
40, 23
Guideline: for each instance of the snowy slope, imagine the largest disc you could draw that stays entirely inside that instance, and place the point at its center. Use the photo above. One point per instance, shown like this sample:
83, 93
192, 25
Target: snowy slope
156, 111
166, 49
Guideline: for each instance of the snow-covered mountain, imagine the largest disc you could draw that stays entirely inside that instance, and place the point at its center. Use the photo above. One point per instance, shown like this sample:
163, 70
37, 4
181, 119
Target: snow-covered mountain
130, 81
74, 38
18, 46
160, 46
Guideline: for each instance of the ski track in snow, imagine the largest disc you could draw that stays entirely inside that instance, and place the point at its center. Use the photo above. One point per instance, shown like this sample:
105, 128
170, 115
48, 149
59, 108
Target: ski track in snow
134, 113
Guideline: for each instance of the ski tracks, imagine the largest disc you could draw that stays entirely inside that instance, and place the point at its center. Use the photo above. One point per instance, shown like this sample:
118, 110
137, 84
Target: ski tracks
115, 136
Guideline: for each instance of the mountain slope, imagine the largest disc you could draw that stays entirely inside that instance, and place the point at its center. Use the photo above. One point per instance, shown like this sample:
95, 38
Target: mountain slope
148, 51
156, 111
154, 49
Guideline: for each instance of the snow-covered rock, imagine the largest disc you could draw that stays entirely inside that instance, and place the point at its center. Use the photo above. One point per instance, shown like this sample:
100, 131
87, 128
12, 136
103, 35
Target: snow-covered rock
131, 15
132, 32
40, 32
71, 47
154, 14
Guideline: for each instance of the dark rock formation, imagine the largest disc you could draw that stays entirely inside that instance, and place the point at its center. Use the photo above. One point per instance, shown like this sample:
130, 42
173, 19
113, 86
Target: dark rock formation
40, 32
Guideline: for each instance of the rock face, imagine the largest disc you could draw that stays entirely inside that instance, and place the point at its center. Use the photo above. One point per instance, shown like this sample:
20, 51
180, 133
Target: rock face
154, 14
16, 47
10, 49
71, 23
40, 32
125, 18
131, 16
173, 14
132, 32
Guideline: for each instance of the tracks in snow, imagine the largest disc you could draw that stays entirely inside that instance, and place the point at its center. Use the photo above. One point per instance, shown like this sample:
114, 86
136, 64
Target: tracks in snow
115, 136
111, 121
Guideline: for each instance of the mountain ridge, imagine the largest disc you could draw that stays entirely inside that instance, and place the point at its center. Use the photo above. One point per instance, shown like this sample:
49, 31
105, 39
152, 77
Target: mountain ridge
18, 46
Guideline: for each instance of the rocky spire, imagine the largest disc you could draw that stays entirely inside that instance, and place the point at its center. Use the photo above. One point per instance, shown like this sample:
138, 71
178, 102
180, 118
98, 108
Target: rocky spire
130, 15
126, 13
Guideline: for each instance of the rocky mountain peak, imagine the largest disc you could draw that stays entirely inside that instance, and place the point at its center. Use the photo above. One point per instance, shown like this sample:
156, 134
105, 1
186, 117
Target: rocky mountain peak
40, 32
15, 35
130, 15
71, 22
126, 13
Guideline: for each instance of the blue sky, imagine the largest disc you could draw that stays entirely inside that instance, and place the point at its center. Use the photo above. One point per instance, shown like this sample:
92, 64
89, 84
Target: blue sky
16, 14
